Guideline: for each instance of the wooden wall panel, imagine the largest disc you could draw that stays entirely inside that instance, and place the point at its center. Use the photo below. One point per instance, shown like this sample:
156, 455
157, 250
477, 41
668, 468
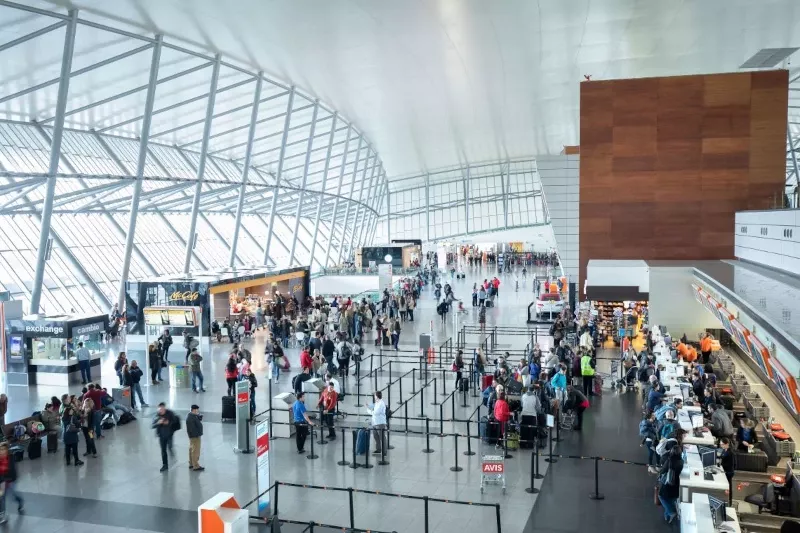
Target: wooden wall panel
666, 162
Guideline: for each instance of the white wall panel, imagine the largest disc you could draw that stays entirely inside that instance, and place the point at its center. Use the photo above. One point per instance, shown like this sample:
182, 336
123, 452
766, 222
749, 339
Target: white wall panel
769, 238
560, 183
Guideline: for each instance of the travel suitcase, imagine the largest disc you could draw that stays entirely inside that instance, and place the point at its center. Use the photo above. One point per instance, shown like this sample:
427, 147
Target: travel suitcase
727, 400
52, 442
362, 441
228, 408
598, 385
757, 461
463, 385
486, 381
527, 431
489, 303
34, 448
492, 432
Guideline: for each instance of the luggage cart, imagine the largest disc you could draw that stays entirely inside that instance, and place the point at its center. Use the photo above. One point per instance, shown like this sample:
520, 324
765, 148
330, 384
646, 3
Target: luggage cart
493, 466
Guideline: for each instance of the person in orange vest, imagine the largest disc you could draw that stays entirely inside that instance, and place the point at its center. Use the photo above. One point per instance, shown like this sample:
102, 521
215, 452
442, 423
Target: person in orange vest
705, 347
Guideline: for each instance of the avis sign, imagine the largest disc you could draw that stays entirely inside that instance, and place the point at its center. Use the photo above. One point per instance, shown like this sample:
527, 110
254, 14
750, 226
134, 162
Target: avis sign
493, 468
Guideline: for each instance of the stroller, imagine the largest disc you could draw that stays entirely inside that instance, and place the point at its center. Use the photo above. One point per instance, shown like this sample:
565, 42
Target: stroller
629, 381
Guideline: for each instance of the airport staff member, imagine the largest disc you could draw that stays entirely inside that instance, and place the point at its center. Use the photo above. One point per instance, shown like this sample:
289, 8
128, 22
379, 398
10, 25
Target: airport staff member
301, 422
705, 347
588, 373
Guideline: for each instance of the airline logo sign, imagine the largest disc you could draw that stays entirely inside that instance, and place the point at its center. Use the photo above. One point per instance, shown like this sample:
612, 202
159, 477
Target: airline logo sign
493, 468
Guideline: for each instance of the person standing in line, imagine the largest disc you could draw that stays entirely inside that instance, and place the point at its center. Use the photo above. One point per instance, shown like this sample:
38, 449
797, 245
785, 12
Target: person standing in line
231, 374
248, 375
166, 424
379, 424
71, 424
588, 373
8, 476
396, 334
84, 363
458, 368
134, 377
669, 480
166, 341
328, 400
301, 421
482, 296
410, 305
154, 359
194, 429
197, 374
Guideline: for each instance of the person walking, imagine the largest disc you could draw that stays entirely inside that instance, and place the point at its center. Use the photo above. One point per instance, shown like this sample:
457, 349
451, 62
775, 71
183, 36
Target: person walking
71, 424
705, 347
379, 424
8, 477
301, 422
197, 374
194, 429
410, 305
396, 334
166, 424
669, 479
587, 371
154, 360
84, 363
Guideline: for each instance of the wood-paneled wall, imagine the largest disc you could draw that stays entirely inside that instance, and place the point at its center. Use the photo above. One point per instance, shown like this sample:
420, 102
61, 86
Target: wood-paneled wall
666, 162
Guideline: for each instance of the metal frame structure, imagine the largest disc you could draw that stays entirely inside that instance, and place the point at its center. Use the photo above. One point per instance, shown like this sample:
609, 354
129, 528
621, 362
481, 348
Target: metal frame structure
185, 160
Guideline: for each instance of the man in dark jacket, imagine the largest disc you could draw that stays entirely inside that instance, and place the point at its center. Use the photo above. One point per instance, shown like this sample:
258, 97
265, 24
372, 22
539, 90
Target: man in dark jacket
166, 424
328, 348
194, 429
71, 424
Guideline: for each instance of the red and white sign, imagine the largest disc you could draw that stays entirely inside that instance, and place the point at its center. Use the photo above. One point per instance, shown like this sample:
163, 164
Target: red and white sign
242, 397
493, 468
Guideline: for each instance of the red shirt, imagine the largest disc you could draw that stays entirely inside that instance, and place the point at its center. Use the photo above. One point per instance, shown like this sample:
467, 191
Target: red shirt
97, 397
501, 412
305, 359
496, 283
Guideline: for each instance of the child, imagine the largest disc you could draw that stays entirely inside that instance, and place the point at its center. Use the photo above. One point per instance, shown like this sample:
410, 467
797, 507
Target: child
647, 430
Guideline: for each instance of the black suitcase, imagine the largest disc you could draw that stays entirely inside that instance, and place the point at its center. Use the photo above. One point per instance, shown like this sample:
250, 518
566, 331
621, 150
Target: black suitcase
463, 385
35, 448
52, 442
727, 400
489, 303
751, 462
492, 431
228, 408
527, 431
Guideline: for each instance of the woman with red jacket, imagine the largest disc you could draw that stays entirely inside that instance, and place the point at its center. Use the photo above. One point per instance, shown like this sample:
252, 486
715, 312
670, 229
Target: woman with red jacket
231, 374
305, 359
501, 412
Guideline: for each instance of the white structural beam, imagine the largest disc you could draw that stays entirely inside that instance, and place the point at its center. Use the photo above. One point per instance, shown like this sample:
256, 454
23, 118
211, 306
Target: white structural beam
286, 125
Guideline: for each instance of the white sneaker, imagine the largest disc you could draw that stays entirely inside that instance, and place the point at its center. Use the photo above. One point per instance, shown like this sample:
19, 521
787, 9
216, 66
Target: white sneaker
652, 470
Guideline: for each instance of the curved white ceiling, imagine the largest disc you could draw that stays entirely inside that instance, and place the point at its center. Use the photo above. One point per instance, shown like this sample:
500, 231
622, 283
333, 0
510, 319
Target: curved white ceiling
435, 83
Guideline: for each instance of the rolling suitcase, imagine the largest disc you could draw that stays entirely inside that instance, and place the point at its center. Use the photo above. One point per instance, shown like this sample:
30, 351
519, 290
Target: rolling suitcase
727, 400
362, 441
228, 408
598, 385
34, 448
756, 461
492, 432
52, 442
463, 385
527, 431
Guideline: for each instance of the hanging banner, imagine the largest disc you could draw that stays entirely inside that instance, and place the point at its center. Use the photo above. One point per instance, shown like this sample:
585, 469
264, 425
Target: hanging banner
262, 467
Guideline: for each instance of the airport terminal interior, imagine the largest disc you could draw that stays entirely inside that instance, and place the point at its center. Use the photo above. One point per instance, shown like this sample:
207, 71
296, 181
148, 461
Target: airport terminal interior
402, 266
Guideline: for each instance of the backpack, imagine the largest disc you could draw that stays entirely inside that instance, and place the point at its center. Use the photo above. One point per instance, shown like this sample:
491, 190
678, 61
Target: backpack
661, 449
176, 424
125, 418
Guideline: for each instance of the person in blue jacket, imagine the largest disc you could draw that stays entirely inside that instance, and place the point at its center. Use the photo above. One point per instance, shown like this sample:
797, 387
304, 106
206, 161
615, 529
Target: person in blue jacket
559, 382
654, 396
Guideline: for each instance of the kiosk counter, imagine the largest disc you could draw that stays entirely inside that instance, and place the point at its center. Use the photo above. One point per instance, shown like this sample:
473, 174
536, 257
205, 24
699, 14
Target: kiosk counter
41, 350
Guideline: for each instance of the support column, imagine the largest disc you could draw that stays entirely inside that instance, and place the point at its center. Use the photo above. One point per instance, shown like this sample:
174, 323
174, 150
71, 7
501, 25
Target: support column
388, 216
55, 155
466, 201
339, 192
505, 197
324, 184
248, 154
350, 198
286, 124
360, 208
201, 166
428, 207
377, 217
306, 164
368, 206
144, 138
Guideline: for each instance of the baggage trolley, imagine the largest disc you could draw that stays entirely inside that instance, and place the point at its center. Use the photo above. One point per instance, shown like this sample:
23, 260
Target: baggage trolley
493, 466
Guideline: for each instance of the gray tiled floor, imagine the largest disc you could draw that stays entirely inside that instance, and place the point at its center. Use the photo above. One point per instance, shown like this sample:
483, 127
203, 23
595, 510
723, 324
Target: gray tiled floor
127, 470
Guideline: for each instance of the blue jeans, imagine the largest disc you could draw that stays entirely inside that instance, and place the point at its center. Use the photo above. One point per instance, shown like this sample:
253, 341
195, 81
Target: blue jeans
86, 370
12, 491
136, 389
276, 371
670, 506
97, 419
651, 455
197, 376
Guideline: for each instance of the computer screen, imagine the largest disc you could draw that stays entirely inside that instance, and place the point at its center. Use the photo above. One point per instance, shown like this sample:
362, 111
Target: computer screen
685, 393
708, 456
697, 421
717, 510
680, 371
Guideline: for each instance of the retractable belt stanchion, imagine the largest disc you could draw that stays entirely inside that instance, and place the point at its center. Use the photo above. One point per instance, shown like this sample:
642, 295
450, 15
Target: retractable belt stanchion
354, 464
413, 381
312, 455
444, 383
441, 420
422, 401
425, 499
596, 495
469, 441
551, 459
455, 468
358, 391
428, 448
383, 461
534, 467
343, 462
389, 430
463, 395
434, 392
352, 508
366, 464
400, 382
375, 379
537, 475
321, 440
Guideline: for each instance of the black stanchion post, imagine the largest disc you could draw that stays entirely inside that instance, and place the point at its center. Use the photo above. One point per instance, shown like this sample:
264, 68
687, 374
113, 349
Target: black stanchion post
405, 407
463, 395
343, 462
455, 468
596, 494
311, 527
354, 464
400, 382
469, 441
537, 475
425, 499
389, 430
413, 381
428, 448
422, 401
558, 424
441, 420
532, 489
366, 464
375, 381
312, 455
371, 358
505, 442
383, 461
321, 440
269, 386
380, 361
497, 517
352, 507
551, 459
444, 382
358, 391
434, 392
453, 405
390, 372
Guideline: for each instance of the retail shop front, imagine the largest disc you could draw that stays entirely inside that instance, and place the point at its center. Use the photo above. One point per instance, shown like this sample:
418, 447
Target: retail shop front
229, 293
41, 350
618, 292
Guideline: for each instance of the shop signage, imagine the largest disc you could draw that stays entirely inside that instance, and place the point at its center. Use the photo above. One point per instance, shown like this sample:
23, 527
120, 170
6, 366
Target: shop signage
52, 330
88, 329
262, 467
185, 296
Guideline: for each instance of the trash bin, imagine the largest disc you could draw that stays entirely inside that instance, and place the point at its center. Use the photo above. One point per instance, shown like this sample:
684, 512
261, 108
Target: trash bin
178, 376
122, 395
